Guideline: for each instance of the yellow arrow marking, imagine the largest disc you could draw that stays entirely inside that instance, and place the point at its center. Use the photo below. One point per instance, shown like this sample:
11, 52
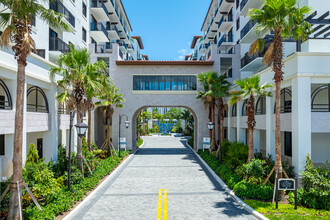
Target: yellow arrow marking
165, 204
159, 210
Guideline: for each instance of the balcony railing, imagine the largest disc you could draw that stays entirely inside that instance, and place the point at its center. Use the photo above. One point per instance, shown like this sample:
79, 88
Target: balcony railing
249, 58
112, 27
98, 4
130, 47
226, 49
56, 44
58, 7
202, 46
243, 3
104, 48
40, 52
225, 38
122, 44
96, 26
247, 28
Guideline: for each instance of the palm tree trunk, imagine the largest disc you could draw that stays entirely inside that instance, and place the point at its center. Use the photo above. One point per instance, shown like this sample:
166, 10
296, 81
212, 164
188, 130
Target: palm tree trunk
89, 133
221, 128
277, 68
251, 124
14, 211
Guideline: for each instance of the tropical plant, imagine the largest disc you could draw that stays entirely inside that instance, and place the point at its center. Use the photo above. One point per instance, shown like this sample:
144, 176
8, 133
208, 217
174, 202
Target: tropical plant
221, 90
208, 80
286, 19
188, 119
78, 75
110, 98
249, 88
15, 21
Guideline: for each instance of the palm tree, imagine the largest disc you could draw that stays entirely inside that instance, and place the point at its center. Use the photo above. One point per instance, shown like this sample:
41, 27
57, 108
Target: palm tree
185, 115
221, 90
250, 87
110, 98
78, 74
286, 20
207, 80
97, 72
15, 19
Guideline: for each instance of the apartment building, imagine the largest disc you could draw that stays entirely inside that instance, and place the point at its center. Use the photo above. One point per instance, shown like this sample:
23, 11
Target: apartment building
305, 100
93, 24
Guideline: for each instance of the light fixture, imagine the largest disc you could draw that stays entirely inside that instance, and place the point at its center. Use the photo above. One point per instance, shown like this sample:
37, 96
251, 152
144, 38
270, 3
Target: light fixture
126, 124
81, 129
210, 125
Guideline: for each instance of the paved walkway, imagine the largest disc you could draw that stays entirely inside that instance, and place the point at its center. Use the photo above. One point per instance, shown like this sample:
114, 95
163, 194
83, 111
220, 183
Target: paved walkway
163, 163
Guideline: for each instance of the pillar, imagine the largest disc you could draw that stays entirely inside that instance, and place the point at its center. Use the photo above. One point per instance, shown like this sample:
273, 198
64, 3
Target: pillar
270, 133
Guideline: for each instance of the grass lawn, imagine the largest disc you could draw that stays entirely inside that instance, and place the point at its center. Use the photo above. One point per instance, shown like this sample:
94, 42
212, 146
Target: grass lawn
287, 211
139, 142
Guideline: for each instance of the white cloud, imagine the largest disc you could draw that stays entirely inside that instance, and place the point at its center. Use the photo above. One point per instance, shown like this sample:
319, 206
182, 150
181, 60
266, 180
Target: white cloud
183, 52
181, 57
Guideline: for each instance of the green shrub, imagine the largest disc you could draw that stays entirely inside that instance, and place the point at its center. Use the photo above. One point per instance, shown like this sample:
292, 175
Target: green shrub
235, 154
246, 190
253, 172
139, 142
315, 191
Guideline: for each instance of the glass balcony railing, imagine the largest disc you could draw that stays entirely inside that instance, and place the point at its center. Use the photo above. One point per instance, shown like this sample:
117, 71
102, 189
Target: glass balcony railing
225, 38
225, 18
122, 44
58, 7
249, 58
112, 27
247, 28
56, 44
97, 26
98, 4
103, 48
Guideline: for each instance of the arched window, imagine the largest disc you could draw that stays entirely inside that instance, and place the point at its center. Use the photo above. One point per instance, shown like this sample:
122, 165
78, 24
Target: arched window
321, 99
36, 100
5, 98
225, 111
234, 110
286, 101
244, 108
261, 106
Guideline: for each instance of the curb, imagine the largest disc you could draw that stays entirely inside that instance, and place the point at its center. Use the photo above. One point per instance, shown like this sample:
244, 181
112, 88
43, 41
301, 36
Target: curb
86, 200
229, 191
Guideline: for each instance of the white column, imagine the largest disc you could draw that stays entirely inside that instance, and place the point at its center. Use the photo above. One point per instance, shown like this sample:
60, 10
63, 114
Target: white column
301, 121
229, 132
240, 131
256, 140
24, 143
270, 133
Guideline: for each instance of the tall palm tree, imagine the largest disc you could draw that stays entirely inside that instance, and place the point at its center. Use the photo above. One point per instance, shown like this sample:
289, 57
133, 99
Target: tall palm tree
221, 90
97, 72
110, 98
15, 19
286, 19
207, 80
249, 88
78, 74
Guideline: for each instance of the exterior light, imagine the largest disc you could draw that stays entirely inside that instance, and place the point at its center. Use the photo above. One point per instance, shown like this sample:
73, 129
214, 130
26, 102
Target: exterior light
126, 124
210, 125
81, 129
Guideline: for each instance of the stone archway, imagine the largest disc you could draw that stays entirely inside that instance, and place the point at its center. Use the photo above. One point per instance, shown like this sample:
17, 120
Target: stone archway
134, 124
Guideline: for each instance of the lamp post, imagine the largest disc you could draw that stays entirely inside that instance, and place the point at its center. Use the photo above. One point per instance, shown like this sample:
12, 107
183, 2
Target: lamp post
210, 126
81, 130
126, 125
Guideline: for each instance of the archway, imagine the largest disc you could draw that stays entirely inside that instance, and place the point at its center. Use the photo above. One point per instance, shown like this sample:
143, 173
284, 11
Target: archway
135, 125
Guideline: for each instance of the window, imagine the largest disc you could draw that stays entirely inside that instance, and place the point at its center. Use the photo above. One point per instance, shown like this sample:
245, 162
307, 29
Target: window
261, 106
179, 83
225, 132
234, 110
237, 23
2, 144
288, 144
84, 9
226, 66
5, 98
37, 100
40, 147
33, 20
84, 34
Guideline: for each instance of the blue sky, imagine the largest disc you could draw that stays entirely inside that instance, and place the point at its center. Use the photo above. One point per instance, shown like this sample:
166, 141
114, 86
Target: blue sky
166, 27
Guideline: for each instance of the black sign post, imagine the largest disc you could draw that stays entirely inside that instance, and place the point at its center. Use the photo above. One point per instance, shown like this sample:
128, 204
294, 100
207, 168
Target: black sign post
286, 184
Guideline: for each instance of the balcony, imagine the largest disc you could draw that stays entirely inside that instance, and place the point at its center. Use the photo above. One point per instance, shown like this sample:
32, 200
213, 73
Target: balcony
226, 40
98, 32
248, 34
57, 46
110, 6
246, 5
103, 48
58, 7
202, 48
226, 5
113, 32
130, 48
99, 11
253, 63
226, 23
122, 46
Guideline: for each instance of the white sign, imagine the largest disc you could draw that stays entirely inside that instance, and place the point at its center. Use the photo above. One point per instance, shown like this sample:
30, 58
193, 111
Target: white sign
122, 142
206, 143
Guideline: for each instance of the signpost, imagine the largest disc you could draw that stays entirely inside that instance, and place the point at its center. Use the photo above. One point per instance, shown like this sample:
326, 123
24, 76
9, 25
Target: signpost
206, 143
286, 184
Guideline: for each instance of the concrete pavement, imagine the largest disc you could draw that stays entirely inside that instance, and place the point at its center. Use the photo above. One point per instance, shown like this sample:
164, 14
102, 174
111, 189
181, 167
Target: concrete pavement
163, 163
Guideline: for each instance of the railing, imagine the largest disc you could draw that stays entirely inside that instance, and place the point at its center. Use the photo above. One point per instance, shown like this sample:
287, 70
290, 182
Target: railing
249, 58
247, 28
202, 46
122, 44
58, 7
130, 47
121, 54
243, 3
225, 18
56, 44
225, 38
226, 49
96, 26
104, 48
97, 4
40, 52
112, 27
202, 58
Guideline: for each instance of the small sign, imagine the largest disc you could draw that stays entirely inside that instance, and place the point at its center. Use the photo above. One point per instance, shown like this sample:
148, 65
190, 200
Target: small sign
122, 142
206, 143
286, 184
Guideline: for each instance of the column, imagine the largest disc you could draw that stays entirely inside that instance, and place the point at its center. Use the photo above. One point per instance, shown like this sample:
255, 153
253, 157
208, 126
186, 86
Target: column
301, 121
240, 131
270, 133
229, 131
25, 146
256, 140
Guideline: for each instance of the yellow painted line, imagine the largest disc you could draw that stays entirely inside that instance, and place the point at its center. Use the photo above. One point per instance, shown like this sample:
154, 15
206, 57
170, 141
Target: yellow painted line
165, 204
159, 210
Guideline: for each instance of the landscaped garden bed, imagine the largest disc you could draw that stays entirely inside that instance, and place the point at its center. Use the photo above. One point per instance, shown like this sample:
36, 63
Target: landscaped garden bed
246, 182
48, 182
